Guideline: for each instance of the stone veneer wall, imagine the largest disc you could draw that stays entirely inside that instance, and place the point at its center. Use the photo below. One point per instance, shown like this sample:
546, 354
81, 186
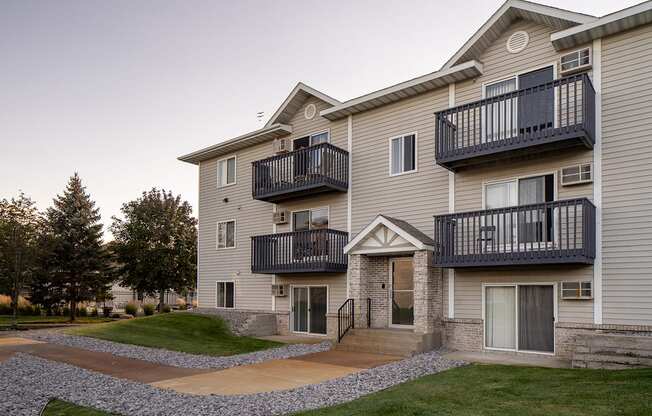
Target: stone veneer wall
463, 334
245, 322
427, 294
570, 337
366, 278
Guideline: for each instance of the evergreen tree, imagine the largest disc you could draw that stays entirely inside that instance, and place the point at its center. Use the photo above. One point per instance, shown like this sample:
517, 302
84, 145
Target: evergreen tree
78, 264
20, 228
156, 244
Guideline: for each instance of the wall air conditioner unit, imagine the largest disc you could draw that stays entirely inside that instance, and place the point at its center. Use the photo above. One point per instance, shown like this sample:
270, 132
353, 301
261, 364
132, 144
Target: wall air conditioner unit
279, 290
575, 61
281, 146
280, 217
576, 290
577, 174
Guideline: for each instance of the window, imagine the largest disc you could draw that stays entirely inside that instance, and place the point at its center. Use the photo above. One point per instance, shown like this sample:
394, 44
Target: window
226, 234
226, 172
311, 219
312, 140
575, 60
403, 154
503, 115
225, 295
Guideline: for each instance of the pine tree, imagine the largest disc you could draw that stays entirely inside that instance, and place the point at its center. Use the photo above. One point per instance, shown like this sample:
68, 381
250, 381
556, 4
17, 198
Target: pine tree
78, 262
156, 244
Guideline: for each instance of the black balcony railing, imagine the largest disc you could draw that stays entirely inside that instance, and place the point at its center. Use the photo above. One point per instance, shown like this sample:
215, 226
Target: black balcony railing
546, 233
557, 114
313, 169
299, 252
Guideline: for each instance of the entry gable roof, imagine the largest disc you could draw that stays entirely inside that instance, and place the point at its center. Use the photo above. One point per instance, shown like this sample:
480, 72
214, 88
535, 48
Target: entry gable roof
510, 11
295, 100
388, 235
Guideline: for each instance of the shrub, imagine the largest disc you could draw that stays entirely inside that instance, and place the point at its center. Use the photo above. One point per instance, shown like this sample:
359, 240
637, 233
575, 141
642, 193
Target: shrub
148, 309
82, 311
131, 309
115, 316
183, 307
94, 312
106, 311
5, 309
36, 310
166, 309
25, 310
65, 311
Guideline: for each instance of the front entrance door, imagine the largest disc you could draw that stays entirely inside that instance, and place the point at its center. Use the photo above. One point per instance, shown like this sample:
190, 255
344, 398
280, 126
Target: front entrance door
402, 292
309, 306
520, 317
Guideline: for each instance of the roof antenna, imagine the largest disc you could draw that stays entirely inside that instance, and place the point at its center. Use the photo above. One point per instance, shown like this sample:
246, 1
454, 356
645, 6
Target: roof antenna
260, 115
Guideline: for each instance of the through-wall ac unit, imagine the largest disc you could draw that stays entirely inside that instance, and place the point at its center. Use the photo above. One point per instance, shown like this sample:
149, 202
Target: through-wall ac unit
576, 290
279, 290
576, 174
575, 61
281, 146
280, 217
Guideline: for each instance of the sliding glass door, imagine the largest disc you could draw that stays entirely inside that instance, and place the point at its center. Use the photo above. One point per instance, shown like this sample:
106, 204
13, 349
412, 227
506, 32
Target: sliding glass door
500, 317
309, 308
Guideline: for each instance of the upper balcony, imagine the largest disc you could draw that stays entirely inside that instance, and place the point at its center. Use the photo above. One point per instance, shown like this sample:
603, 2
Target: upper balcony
554, 115
558, 232
307, 251
314, 169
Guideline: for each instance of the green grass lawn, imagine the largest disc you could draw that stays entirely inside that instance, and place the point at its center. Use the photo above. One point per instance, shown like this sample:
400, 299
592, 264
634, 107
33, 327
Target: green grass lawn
195, 334
61, 408
510, 391
6, 320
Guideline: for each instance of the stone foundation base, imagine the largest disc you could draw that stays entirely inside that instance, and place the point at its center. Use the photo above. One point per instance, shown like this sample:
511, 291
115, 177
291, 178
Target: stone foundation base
463, 334
243, 322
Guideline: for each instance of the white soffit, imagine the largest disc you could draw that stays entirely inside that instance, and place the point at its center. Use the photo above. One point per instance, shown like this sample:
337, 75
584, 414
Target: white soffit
509, 12
404, 90
237, 143
619, 21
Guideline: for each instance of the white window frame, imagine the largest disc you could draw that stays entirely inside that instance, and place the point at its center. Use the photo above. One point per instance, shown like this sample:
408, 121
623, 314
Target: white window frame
328, 307
416, 154
234, 291
328, 210
235, 171
217, 234
515, 285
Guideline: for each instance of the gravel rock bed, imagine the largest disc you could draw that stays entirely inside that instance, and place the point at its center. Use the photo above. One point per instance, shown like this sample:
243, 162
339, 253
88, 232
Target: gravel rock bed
25, 388
174, 358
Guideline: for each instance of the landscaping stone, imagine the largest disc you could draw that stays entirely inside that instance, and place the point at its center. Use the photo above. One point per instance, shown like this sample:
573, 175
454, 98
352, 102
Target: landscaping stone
24, 390
174, 358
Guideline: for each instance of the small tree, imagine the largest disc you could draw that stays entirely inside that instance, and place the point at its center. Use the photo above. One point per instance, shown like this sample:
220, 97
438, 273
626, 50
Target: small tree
78, 264
20, 227
156, 244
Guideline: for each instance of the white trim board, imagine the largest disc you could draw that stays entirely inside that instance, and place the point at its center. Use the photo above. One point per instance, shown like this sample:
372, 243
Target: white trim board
378, 221
597, 183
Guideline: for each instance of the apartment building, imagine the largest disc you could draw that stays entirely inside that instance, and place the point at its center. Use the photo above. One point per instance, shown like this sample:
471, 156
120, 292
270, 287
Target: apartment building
499, 203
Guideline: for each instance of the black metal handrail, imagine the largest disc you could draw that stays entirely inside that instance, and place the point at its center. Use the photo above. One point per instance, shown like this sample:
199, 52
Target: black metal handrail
558, 109
300, 251
368, 312
345, 318
549, 232
322, 164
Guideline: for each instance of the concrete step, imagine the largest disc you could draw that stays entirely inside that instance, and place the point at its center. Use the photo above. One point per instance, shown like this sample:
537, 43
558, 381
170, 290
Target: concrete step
382, 341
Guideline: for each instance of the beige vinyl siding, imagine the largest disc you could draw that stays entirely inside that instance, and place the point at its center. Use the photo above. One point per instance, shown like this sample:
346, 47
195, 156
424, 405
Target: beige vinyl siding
253, 291
413, 197
626, 176
499, 64
252, 218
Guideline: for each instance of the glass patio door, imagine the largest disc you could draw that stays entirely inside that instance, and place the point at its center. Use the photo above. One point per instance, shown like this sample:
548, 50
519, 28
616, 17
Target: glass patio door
500, 317
309, 307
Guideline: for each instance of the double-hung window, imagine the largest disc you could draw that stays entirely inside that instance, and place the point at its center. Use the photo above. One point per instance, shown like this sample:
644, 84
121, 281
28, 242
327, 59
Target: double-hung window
225, 295
226, 234
226, 172
403, 154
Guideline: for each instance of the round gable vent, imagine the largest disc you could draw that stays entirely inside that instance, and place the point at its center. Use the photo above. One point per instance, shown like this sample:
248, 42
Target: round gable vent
310, 111
517, 41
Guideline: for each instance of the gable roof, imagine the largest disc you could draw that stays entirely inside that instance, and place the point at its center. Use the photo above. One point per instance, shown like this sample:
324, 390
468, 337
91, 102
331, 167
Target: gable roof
404, 90
237, 143
619, 21
509, 12
294, 101
404, 237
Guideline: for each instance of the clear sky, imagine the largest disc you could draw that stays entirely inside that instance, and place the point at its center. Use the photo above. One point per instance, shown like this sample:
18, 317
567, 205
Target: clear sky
118, 89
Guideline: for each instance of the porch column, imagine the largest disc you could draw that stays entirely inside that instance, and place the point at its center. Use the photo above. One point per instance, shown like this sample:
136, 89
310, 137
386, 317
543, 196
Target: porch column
358, 271
427, 294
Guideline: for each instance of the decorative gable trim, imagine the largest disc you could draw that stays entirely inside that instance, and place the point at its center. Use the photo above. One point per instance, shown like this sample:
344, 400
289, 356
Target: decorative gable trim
295, 100
382, 236
510, 11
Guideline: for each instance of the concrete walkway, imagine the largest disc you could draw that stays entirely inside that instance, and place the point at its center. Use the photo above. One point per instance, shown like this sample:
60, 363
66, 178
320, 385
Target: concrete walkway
277, 374
102, 362
509, 358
